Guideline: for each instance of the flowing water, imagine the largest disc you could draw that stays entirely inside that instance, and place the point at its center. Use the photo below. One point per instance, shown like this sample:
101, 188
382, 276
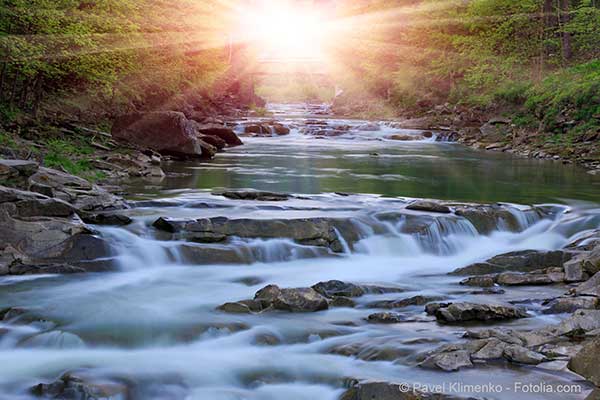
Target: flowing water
154, 321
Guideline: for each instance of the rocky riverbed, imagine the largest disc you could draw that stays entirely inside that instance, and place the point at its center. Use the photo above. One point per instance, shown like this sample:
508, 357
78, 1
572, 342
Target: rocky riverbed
314, 261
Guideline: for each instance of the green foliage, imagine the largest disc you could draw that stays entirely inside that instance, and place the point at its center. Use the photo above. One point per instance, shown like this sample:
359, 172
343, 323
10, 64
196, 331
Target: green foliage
71, 157
7, 140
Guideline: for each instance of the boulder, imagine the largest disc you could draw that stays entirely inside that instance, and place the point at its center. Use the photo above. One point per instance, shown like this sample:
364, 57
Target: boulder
522, 355
585, 363
460, 312
292, 300
574, 270
281, 130
79, 387
401, 303
214, 141
225, 134
430, 206
167, 132
480, 281
570, 304
591, 287
581, 322
489, 218
107, 219
406, 138
518, 261
306, 231
336, 288
518, 279
76, 191
448, 361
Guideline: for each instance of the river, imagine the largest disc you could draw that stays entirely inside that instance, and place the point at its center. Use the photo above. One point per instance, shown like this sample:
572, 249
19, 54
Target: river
154, 323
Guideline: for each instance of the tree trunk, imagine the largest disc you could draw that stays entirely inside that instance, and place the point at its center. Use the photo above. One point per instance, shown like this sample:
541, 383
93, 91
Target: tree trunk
3, 78
567, 50
37, 93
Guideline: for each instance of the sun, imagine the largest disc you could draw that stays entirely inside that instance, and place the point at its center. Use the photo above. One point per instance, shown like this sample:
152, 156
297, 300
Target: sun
285, 30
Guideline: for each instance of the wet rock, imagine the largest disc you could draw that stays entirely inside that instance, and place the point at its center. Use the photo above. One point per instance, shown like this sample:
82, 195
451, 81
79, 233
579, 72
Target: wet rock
387, 318
585, 363
340, 301
241, 307
407, 302
460, 312
406, 138
254, 195
480, 280
489, 218
392, 391
492, 350
206, 255
307, 231
167, 132
448, 361
38, 269
430, 206
570, 304
517, 279
107, 219
214, 141
227, 135
581, 322
73, 386
292, 300
281, 130
522, 355
518, 261
335, 288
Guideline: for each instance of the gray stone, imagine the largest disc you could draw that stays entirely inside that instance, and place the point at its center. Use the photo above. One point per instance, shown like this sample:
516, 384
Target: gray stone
460, 312
334, 288
448, 361
429, 206
401, 303
392, 391
570, 304
292, 300
73, 386
580, 322
386, 318
585, 363
591, 287
306, 231
481, 281
518, 261
522, 355
517, 279
254, 195
574, 270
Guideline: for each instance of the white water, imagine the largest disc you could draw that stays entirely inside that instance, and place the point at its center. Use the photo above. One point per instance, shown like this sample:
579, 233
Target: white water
154, 321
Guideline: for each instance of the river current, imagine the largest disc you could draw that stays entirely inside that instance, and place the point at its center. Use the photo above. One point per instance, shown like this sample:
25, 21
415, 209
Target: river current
153, 322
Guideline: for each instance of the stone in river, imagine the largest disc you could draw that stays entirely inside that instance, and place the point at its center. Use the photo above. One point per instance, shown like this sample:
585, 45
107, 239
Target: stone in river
392, 391
460, 312
401, 303
430, 206
338, 288
293, 300
585, 363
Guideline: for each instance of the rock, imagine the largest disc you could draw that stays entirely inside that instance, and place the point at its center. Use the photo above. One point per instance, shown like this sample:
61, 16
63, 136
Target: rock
430, 206
518, 261
39, 269
448, 361
167, 132
517, 279
15, 168
214, 141
340, 301
335, 288
494, 132
73, 386
570, 304
258, 129
76, 191
522, 355
574, 270
460, 312
107, 219
369, 127
254, 195
406, 138
401, 303
481, 281
305, 231
582, 321
281, 129
492, 350
241, 307
293, 300
489, 218
591, 287
19, 203
392, 391
585, 363
386, 318
223, 133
